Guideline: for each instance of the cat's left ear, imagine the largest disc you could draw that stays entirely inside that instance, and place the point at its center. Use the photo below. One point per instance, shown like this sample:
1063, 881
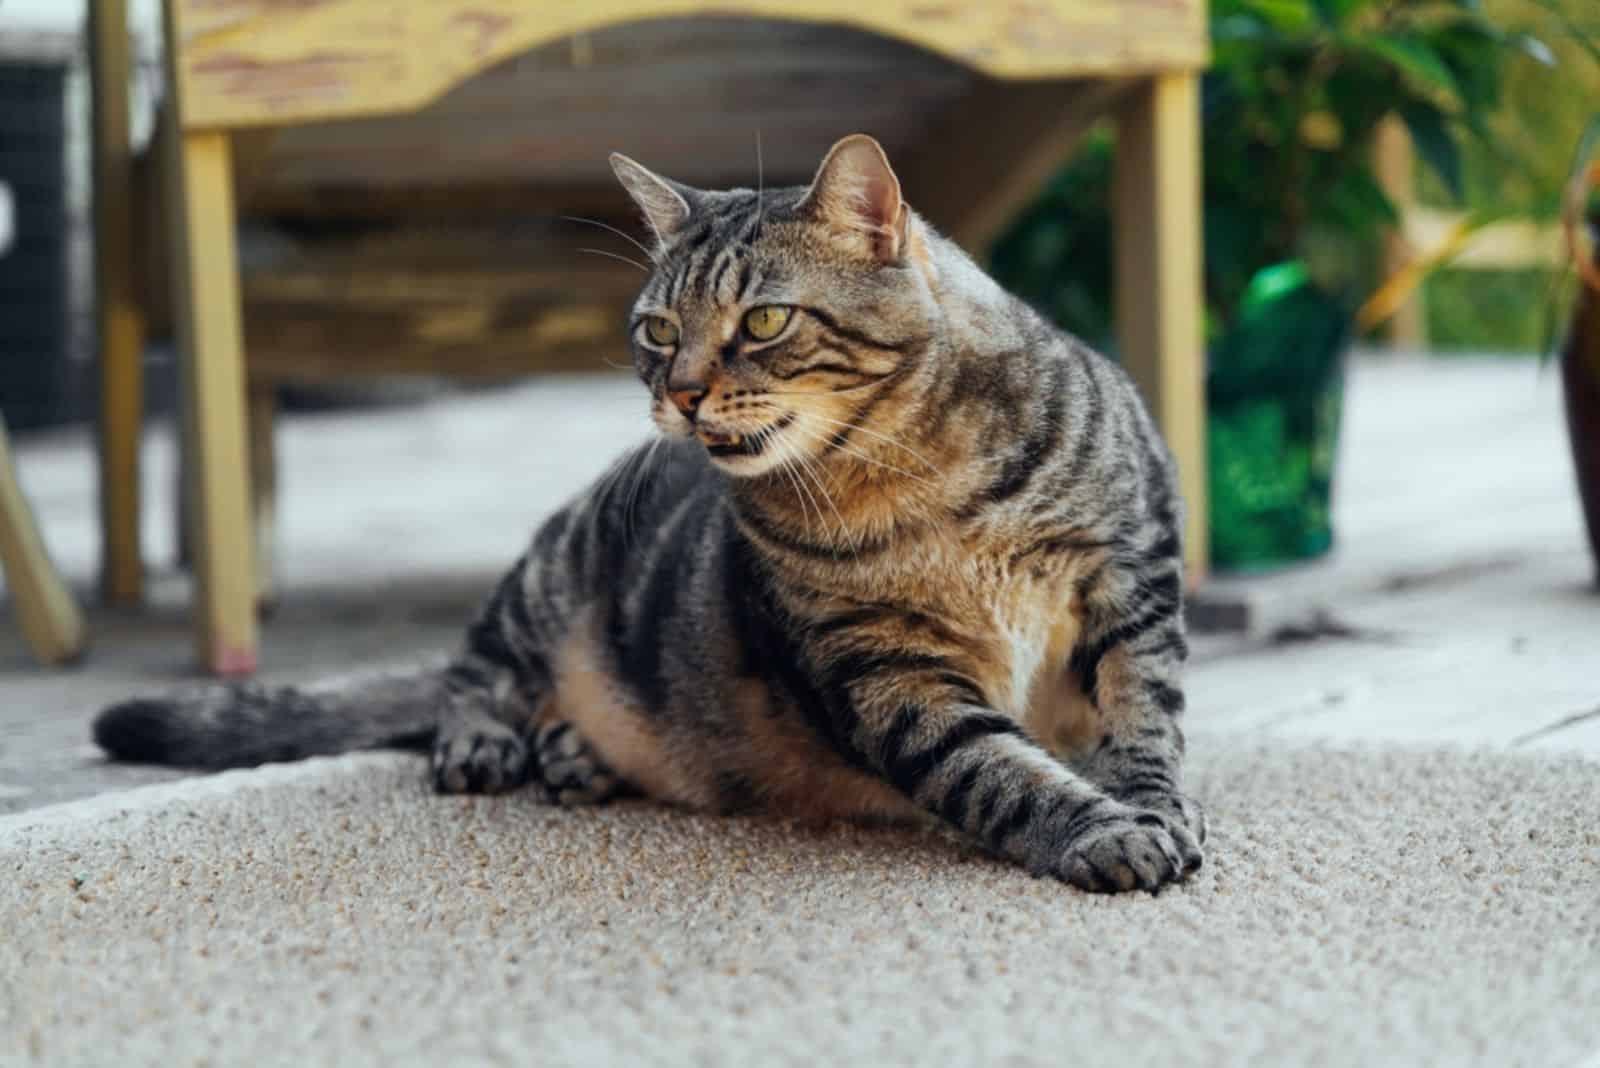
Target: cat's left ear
666, 204
856, 192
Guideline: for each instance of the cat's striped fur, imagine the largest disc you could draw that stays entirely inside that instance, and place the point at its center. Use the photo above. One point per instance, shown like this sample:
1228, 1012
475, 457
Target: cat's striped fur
918, 555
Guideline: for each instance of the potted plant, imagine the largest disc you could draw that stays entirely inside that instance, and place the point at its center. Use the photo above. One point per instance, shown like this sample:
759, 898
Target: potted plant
1292, 105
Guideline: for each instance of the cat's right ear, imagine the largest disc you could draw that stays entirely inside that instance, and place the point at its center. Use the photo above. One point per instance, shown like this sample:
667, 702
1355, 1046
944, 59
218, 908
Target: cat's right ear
857, 194
666, 204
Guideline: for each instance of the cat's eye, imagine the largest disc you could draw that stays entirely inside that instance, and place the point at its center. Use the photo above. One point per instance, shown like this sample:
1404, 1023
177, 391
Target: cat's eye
766, 322
660, 331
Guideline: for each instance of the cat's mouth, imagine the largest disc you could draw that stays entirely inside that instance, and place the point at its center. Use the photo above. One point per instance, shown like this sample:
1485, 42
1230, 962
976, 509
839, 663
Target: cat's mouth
739, 443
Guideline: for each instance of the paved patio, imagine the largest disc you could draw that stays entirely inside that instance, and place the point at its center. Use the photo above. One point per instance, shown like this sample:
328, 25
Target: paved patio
1458, 606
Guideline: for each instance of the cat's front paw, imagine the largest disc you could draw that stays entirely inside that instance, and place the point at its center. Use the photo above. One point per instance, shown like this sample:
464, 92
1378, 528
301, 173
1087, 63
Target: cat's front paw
1181, 809
481, 757
569, 770
1125, 848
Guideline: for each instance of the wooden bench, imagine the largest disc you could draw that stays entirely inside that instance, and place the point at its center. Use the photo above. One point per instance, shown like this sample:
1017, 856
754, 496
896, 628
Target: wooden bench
435, 125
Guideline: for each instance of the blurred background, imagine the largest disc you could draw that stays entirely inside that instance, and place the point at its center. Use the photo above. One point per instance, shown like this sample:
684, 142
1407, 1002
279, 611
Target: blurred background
1398, 365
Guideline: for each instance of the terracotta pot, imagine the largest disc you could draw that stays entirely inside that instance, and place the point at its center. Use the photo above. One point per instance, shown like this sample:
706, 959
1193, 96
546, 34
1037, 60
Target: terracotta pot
1580, 363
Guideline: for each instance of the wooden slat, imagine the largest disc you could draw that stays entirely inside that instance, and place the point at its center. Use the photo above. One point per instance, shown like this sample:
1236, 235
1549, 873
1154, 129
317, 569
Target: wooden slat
321, 346
716, 153
443, 202
700, 149
248, 62
51, 621
1156, 210
1394, 160
470, 301
117, 312
686, 96
981, 161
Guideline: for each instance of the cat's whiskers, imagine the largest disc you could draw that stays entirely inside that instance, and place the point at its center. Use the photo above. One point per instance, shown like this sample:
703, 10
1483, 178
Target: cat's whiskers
767, 438
629, 238
802, 495
761, 178
640, 480
793, 458
634, 472
818, 478
617, 256
786, 464
825, 439
857, 427
932, 467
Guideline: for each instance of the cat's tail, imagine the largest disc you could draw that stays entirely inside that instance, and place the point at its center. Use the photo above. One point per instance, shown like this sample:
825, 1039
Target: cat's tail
238, 725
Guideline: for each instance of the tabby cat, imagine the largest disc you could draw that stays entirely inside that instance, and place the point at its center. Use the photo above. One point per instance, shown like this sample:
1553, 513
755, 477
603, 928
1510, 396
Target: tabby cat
903, 549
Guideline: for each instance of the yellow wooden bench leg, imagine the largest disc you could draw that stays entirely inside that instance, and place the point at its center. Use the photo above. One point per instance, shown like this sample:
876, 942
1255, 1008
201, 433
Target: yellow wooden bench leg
1158, 278
206, 289
262, 410
264, 486
50, 619
119, 318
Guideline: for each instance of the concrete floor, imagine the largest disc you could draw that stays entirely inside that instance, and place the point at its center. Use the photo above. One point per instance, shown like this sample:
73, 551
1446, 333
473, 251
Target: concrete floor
1461, 591
1458, 605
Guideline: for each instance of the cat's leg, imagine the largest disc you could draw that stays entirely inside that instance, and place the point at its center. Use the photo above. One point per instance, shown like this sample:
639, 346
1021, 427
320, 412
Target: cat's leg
568, 770
924, 726
493, 690
475, 753
1129, 661
497, 731
481, 753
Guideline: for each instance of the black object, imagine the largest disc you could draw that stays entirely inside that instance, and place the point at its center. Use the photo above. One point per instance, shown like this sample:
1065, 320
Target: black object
1580, 380
35, 373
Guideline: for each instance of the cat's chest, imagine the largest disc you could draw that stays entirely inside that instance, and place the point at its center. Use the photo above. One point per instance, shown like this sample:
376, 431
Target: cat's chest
1017, 612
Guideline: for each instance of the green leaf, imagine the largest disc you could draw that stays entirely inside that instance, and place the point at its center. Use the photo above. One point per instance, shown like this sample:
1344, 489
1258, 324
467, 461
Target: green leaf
1474, 55
1361, 94
1335, 13
1356, 202
1415, 59
1430, 132
1242, 27
1285, 16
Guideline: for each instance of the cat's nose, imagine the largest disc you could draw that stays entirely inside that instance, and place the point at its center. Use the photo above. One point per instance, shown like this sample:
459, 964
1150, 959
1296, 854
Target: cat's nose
687, 396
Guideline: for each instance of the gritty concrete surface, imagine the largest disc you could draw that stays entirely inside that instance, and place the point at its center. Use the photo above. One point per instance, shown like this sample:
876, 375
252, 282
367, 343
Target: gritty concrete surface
393, 523
1359, 906
1403, 867
1460, 604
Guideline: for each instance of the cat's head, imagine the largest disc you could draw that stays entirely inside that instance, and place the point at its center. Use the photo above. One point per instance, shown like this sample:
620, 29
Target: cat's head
774, 319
